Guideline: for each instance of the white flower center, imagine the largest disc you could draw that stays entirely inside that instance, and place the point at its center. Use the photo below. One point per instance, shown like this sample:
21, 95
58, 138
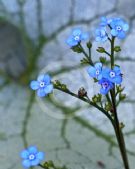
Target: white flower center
97, 72
42, 84
76, 38
112, 74
31, 156
118, 28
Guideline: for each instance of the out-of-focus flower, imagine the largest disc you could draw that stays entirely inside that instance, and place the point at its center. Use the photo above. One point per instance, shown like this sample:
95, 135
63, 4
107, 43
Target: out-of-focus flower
43, 85
105, 21
101, 35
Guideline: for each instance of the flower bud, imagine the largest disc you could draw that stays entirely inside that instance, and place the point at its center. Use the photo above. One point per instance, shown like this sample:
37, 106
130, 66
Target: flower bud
82, 92
100, 50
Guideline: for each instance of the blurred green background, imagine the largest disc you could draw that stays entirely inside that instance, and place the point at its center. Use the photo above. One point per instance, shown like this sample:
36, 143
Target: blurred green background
32, 40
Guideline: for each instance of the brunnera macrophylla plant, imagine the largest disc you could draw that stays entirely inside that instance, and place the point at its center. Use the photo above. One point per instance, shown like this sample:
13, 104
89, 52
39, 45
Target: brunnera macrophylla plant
106, 74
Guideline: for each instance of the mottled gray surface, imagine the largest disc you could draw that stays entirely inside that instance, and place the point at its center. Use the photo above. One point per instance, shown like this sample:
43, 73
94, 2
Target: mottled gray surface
78, 142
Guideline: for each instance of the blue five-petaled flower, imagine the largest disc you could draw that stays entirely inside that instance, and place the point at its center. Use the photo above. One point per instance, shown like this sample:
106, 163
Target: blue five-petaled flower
113, 75
31, 157
76, 37
106, 85
119, 28
95, 71
43, 85
101, 35
105, 21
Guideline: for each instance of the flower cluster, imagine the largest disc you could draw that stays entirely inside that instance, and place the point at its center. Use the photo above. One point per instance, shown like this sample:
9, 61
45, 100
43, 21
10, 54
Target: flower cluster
43, 85
106, 77
31, 157
117, 27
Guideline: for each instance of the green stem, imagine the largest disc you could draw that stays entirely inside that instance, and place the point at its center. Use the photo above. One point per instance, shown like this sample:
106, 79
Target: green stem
118, 131
87, 101
112, 52
86, 55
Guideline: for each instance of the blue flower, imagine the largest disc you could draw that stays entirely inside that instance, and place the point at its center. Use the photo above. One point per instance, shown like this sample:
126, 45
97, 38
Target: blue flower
119, 28
95, 71
113, 75
101, 35
31, 157
42, 85
106, 85
105, 21
76, 37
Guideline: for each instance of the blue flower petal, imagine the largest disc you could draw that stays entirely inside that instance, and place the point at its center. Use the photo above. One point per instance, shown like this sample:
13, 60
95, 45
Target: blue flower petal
32, 150
44, 78
98, 39
121, 35
26, 163
105, 72
99, 76
40, 78
84, 36
91, 71
103, 91
34, 85
125, 27
114, 32
71, 42
104, 39
118, 79
47, 79
24, 154
48, 89
97, 32
35, 162
77, 32
117, 70
40, 155
41, 92
98, 65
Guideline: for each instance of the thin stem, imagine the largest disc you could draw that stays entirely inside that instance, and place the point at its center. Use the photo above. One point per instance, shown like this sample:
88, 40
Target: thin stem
86, 55
107, 53
87, 101
112, 52
118, 132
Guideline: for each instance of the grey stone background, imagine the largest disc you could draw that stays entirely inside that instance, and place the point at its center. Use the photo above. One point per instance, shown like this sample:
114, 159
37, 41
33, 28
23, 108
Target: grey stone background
32, 39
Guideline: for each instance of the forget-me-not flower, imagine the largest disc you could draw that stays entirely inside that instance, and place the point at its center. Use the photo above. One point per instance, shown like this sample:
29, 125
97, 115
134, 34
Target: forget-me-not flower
43, 85
106, 86
119, 28
101, 35
105, 21
95, 71
76, 37
113, 75
31, 157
